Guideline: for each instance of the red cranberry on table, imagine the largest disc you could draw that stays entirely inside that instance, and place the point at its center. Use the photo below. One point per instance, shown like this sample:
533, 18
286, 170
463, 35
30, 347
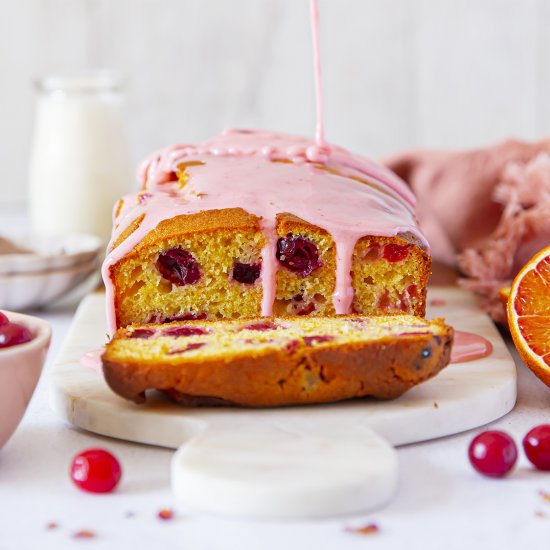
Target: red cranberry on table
95, 471
536, 445
12, 334
493, 453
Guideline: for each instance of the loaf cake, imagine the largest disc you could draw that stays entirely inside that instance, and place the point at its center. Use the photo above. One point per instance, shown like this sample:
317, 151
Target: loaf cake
264, 362
253, 223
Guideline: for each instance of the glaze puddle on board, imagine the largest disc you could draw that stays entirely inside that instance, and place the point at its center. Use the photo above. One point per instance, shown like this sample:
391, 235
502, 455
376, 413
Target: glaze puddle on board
92, 360
468, 347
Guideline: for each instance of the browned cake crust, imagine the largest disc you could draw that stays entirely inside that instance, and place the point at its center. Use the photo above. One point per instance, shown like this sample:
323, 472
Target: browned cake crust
297, 372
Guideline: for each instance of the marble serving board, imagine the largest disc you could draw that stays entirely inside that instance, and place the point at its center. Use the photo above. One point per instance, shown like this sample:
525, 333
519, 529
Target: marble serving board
293, 461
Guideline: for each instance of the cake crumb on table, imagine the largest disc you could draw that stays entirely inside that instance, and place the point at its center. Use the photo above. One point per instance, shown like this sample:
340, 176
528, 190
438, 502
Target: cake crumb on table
368, 529
165, 514
84, 534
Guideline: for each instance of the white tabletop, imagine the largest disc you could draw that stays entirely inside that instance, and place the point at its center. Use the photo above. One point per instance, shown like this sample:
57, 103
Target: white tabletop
441, 502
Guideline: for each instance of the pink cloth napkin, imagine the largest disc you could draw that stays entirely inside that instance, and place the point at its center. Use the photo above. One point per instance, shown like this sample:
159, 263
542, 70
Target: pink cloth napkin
485, 211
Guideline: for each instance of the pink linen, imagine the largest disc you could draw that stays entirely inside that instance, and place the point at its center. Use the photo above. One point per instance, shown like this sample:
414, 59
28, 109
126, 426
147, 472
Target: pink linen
486, 211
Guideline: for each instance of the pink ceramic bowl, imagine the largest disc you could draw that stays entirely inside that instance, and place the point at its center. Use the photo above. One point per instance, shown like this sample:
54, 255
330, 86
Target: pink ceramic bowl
20, 368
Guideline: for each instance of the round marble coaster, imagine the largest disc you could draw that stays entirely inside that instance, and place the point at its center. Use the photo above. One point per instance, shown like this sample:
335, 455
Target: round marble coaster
264, 472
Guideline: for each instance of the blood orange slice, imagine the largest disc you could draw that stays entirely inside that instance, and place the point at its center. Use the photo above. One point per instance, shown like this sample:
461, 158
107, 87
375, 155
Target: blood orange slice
529, 314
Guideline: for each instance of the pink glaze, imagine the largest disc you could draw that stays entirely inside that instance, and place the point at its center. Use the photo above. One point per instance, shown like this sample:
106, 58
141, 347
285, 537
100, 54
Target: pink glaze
468, 346
92, 360
238, 168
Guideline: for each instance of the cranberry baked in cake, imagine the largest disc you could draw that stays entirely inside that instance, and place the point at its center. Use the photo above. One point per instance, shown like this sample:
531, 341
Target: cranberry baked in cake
254, 223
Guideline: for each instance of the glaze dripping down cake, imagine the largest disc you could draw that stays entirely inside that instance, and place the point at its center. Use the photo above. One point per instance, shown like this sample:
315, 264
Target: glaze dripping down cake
276, 361
254, 223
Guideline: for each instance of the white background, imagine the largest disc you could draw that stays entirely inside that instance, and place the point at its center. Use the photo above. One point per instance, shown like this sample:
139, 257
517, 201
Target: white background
397, 73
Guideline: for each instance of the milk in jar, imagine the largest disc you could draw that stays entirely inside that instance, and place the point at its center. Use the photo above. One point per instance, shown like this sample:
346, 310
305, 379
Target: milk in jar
80, 160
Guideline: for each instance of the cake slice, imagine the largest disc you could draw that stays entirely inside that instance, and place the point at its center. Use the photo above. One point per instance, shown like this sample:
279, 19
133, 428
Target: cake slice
265, 362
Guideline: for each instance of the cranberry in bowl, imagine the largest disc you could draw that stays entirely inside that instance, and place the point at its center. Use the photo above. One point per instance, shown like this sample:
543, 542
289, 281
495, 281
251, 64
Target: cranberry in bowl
24, 342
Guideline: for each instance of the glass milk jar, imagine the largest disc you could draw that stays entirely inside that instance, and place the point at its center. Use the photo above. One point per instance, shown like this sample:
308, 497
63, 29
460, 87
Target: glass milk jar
80, 162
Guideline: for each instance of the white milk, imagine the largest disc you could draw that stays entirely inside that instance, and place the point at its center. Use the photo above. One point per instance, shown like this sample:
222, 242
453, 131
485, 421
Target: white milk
80, 162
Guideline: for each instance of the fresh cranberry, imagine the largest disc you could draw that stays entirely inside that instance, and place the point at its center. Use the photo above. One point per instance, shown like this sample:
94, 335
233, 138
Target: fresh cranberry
396, 252
144, 333
298, 254
536, 445
14, 334
95, 471
3, 320
493, 453
179, 267
310, 340
260, 326
246, 273
183, 331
